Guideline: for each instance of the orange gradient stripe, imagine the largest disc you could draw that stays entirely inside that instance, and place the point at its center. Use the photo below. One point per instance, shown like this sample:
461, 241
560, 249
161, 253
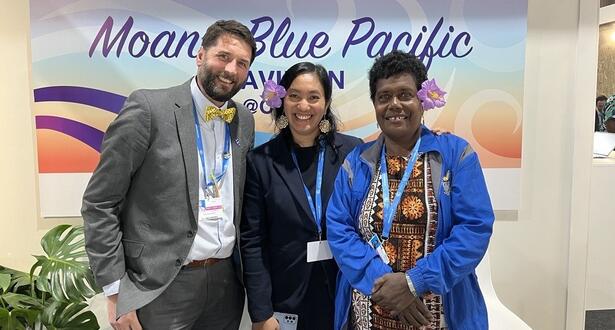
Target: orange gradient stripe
60, 153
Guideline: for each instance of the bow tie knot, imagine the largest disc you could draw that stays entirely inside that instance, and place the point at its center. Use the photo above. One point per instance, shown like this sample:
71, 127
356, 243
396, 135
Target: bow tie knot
211, 112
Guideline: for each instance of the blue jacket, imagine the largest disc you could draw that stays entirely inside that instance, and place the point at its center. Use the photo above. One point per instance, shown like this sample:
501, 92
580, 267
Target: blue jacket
465, 220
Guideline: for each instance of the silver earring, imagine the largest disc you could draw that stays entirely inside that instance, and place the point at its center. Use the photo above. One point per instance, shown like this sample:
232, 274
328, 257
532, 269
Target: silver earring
325, 126
281, 123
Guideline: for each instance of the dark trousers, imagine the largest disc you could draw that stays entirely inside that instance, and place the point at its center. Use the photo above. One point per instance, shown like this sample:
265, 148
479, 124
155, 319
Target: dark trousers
207, 297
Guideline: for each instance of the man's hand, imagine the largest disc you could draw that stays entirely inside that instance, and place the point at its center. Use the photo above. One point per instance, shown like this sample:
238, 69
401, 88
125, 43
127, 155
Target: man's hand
269, 324
125, 322
391, 292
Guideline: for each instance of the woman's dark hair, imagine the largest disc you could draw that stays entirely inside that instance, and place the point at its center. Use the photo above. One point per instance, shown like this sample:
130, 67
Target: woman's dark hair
287, 79
395, 63
231, 27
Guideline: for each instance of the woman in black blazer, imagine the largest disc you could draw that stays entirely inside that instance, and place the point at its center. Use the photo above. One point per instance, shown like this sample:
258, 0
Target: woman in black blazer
280, 218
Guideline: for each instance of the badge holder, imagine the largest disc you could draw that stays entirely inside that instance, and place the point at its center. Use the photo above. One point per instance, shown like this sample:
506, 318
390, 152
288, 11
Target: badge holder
318, 251
377, 245
213, 208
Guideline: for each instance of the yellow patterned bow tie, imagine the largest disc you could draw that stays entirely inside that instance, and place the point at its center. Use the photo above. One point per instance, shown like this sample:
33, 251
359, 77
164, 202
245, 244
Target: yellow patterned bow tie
212, 112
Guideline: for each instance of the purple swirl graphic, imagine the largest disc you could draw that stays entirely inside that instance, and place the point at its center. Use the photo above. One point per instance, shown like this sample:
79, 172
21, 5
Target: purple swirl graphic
82, 95
80, 131
89, 96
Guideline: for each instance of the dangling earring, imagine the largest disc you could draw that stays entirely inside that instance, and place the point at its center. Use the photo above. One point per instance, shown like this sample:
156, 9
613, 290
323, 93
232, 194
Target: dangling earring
325, 126
281, 123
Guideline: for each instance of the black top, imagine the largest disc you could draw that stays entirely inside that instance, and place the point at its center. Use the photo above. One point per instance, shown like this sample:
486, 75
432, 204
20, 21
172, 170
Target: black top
307, 157
276, 226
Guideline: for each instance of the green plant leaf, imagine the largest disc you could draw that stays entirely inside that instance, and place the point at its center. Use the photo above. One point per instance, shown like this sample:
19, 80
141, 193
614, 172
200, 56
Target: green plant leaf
5, 317
64, 271
69, 316
5, 282
21, 301
18, 319
25, 317
20, 281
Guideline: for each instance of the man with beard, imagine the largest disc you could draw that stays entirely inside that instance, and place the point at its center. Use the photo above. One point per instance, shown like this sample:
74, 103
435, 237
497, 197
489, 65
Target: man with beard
162, 208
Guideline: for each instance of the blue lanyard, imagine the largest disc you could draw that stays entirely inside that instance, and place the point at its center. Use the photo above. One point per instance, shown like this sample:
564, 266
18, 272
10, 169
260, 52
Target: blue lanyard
200, 148
391, 208
316, 209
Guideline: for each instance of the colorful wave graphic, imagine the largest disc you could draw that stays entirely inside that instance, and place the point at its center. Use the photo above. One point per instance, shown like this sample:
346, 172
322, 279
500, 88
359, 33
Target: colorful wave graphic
66, 145
78, 93
71, 122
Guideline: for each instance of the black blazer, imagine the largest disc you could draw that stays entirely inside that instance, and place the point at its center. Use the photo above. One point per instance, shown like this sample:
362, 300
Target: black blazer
277, 224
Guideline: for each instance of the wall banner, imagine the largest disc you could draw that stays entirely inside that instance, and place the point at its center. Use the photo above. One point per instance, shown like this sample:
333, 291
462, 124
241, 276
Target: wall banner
87, 56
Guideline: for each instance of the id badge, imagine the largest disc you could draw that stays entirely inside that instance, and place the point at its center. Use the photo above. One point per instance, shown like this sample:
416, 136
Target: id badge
213, 209
318, 250
377, 245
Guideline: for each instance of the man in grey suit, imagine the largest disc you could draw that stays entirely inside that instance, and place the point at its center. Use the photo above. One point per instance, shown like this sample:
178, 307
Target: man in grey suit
162, 208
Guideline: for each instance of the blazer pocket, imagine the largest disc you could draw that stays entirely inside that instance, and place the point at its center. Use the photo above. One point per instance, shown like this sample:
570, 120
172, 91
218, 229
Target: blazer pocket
132, 249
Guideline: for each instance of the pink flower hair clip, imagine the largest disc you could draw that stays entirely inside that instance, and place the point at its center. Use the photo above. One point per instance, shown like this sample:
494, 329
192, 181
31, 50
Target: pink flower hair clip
431, 95
273, 94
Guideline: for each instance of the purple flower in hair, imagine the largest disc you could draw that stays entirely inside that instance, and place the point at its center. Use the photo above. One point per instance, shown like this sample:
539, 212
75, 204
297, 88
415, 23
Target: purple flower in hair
273, 94
431, 95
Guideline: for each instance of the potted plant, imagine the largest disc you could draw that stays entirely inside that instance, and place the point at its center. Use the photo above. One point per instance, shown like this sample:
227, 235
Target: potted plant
53, 295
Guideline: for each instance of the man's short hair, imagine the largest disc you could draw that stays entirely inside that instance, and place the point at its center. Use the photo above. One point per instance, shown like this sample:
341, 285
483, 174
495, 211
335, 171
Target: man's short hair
231, 27
601, 98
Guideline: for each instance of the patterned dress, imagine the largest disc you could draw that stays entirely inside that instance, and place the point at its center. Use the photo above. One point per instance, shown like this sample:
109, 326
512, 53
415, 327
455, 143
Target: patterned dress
412, 236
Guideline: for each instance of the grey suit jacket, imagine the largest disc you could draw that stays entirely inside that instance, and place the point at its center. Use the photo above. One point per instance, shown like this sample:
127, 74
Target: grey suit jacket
140, 208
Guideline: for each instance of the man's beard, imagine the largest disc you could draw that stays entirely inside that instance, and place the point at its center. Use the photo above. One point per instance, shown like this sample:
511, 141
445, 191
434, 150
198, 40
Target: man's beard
209, 85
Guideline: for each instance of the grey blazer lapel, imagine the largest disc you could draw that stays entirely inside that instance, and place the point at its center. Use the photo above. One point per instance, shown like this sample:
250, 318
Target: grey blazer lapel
184, 117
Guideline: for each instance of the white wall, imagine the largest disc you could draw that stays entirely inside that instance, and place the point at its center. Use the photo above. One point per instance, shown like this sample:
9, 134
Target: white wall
601, 259
20, 227
600, 289
17, 168
538, 266
530, 256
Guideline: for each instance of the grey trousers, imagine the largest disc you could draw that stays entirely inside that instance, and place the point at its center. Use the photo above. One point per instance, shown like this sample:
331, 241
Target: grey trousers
208, 297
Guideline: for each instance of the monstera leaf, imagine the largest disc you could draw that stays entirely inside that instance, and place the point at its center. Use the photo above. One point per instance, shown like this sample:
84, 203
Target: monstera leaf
19, 311
20, 301
5, 281
20, 282
18, 319
68, 316
64, 271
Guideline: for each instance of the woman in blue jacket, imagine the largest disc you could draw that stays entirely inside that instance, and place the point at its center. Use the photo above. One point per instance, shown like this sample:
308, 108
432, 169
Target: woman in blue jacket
410, 216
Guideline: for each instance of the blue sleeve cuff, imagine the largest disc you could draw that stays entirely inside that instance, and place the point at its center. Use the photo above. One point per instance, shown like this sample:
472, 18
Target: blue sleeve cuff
416, 276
